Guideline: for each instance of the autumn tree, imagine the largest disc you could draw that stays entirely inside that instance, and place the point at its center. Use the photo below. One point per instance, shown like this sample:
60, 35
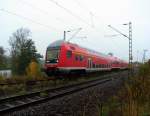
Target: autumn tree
33, 70
23, 50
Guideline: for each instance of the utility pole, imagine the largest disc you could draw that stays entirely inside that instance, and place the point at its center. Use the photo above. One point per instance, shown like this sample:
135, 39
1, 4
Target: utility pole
130, 44
77, 31
65, 34
130, 47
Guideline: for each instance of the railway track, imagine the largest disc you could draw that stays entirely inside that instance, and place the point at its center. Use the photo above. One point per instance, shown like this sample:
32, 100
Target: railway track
16, 103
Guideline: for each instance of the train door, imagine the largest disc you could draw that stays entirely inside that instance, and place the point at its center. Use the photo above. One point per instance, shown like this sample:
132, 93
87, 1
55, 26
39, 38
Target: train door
89, 63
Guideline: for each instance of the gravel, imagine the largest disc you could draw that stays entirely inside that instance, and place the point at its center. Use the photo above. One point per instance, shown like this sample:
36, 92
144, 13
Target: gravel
83, 103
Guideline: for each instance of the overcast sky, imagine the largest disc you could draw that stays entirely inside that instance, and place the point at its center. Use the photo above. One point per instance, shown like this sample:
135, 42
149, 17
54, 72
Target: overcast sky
47, 19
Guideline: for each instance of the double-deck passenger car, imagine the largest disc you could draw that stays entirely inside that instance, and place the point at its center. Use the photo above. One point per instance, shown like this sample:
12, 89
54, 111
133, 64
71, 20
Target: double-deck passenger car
66, 57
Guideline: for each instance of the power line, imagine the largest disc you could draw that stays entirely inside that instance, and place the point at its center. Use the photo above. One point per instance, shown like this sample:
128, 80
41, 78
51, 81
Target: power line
28, 19
70, 12
83, 6
39, 9
92, 15
117, 46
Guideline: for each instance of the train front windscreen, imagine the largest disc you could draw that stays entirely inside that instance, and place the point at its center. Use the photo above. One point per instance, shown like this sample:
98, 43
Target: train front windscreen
52, 55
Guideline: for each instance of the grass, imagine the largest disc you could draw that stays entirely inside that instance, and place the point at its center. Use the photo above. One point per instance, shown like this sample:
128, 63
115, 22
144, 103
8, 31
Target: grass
133, 99
18, 85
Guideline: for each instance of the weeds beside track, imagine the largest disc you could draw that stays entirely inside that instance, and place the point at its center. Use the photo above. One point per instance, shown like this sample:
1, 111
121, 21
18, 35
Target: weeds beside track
18, 102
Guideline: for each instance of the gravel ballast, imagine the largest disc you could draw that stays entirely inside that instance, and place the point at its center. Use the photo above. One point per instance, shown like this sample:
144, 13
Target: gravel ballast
83, 103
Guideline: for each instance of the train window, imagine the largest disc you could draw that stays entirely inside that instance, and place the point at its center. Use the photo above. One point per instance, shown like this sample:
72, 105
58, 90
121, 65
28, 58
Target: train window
100, 66
81, 58
69, 54
97, 66
93, 65
103, 66
52, 55
77, 58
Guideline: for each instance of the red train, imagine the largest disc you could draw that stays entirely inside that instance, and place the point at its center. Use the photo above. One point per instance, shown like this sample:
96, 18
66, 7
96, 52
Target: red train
66, 57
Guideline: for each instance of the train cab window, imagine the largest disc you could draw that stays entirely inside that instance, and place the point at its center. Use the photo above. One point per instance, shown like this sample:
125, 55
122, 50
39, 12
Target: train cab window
52, 55
69, 54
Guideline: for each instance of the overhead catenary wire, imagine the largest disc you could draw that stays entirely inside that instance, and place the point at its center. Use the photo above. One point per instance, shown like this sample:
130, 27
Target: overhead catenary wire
95, 19
118, 46
41, 10
87, 10
70, 12
28, 19
91, 13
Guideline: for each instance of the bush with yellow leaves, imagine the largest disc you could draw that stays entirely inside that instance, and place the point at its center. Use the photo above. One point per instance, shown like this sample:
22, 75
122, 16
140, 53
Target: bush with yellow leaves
33, 70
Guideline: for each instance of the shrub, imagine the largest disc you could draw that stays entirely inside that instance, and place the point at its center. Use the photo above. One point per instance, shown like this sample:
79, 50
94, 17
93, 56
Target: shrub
33, 70
133, 99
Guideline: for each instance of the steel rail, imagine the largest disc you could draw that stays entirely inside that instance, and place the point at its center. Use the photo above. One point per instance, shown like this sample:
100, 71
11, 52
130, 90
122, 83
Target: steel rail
15, 103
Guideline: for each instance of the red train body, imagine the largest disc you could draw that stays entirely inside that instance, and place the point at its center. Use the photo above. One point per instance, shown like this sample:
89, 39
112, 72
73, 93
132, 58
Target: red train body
65, 57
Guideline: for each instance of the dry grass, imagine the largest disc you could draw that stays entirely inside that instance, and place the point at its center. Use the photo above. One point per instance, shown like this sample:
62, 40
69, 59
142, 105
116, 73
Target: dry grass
134, 97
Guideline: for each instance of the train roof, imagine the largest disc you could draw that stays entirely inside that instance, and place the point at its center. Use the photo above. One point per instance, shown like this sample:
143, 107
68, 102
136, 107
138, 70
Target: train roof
58, 43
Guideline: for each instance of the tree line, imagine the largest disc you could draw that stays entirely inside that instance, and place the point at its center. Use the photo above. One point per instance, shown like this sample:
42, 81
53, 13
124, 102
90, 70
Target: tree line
22, 52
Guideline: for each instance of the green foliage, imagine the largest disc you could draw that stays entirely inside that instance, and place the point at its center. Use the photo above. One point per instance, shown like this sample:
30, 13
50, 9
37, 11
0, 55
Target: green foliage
144, 69
22, 51
3, 59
